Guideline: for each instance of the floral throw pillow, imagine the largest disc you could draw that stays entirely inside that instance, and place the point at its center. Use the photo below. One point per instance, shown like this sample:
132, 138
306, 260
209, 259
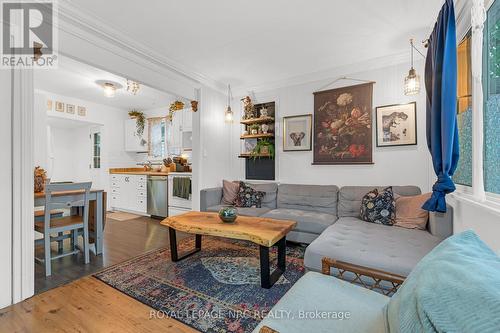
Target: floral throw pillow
248, 197
379, 207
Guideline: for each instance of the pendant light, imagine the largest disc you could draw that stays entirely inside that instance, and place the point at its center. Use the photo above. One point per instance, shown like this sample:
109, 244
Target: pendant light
412, 81
228, 115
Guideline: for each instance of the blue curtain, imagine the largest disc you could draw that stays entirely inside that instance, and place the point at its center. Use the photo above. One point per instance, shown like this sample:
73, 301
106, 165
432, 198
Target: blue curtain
441, 88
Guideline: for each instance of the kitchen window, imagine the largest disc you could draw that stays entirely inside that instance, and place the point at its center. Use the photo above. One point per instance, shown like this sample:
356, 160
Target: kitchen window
157, 137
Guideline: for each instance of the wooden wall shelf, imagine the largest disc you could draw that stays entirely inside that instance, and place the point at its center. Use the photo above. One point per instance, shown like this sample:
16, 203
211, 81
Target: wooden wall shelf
260, 120
261, 166
257, 136
249, 155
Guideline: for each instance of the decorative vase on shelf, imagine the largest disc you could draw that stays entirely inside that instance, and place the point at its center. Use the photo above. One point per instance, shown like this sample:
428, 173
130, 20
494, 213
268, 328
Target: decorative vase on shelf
254, 131
265, 128
263, 112
228, 214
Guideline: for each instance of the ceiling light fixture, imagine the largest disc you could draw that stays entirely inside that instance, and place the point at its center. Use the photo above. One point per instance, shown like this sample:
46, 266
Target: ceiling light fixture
109, 89
228, 115
133, 86
412, 81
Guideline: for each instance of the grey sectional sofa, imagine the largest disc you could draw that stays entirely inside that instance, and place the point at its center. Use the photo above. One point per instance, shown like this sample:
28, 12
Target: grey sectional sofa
328, 220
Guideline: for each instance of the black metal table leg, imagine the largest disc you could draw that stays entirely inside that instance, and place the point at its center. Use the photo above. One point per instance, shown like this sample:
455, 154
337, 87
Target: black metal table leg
268, 279
173, 246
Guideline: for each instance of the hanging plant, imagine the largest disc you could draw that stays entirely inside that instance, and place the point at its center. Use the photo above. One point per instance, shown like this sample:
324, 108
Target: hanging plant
140, 121
175, 106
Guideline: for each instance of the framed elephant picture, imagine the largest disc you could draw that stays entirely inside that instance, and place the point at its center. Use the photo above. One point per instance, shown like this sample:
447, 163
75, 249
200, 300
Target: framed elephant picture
396, 125
297, 133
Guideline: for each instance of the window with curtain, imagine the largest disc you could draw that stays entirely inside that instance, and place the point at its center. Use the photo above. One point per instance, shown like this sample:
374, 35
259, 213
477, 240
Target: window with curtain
157, 137
491, 89
463, 174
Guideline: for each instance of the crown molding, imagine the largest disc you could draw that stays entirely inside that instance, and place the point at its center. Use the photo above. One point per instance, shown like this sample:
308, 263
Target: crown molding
79, 22
350, 69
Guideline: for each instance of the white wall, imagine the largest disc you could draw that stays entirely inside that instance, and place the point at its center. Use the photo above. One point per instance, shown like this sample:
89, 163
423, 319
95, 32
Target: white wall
485, 221
392, 165
211, 143
75, 143
6, 191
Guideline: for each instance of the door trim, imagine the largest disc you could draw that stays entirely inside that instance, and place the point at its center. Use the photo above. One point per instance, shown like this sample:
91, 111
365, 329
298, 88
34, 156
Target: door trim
23, 233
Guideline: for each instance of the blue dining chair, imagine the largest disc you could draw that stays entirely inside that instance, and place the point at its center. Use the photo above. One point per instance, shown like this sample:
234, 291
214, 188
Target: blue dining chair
73, 224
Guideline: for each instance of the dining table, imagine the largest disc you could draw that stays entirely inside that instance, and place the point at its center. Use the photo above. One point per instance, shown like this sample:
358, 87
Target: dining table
97, 211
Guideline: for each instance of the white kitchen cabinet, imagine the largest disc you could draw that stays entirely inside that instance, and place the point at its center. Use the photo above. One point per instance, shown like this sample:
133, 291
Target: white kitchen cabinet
128, 193
133, 142
181, 124
187, 120
175, 132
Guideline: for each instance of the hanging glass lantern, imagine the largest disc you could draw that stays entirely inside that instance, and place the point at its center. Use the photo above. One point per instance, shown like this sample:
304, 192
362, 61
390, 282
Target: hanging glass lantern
412, 81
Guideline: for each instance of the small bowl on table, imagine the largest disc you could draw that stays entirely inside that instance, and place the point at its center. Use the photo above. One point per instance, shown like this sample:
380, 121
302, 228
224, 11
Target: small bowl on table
228, 214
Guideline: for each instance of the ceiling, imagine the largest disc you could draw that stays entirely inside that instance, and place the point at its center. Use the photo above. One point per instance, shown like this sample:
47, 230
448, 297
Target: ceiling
248, 43
78, 80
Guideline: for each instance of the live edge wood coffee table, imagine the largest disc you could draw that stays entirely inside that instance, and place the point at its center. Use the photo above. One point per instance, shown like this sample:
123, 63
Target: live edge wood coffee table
262, 231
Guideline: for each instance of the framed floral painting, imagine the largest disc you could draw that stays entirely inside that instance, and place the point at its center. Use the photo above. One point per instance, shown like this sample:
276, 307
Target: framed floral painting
343, 125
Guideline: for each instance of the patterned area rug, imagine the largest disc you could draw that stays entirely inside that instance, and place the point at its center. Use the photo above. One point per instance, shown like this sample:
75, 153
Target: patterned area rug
215, 290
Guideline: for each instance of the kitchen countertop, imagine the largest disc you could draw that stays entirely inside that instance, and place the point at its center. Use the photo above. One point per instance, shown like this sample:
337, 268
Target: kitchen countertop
140, 171
136, 171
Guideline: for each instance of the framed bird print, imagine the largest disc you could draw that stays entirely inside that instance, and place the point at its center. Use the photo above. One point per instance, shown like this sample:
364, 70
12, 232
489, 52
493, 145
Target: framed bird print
297, 133
396, 125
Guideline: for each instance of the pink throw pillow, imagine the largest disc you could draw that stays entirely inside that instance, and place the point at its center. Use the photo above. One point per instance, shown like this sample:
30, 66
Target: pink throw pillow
229, 192
409, 212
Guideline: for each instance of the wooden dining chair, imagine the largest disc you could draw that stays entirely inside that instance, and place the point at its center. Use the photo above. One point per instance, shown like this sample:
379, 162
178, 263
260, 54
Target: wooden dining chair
60, 225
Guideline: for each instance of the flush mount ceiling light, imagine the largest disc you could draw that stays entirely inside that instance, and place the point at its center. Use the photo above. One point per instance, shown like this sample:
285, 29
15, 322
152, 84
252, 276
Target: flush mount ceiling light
228, 115
109, 90
133, 86
109, 87
412, 81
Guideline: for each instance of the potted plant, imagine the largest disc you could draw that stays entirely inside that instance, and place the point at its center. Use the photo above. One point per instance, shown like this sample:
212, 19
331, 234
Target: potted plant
254, 129
264, 147
140, 121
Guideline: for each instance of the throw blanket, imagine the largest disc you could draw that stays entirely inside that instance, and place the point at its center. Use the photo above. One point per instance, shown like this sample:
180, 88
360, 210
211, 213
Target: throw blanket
181, 187
454, 288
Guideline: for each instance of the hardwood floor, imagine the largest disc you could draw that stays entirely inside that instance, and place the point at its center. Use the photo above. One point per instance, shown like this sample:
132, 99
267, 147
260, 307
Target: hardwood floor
122, 240
87, 304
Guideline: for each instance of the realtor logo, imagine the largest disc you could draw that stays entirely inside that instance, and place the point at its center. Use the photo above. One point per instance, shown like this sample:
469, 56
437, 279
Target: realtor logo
29, 36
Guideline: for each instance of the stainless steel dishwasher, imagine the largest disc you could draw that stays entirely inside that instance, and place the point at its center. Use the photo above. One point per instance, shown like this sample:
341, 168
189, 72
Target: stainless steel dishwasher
158, 196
